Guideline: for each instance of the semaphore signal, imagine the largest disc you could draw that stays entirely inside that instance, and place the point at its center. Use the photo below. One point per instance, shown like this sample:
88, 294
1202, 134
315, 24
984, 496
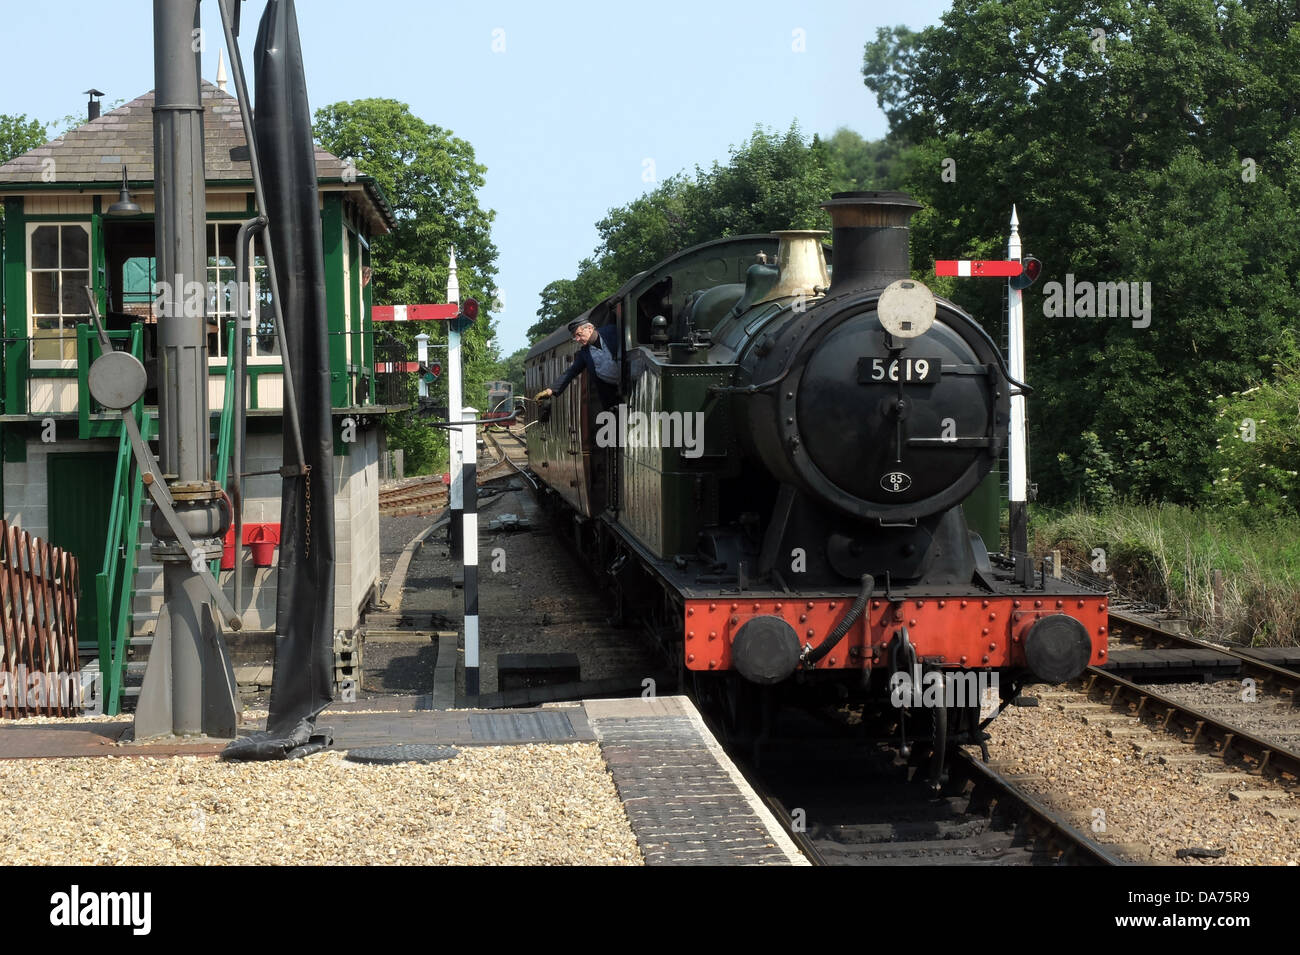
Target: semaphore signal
978, 268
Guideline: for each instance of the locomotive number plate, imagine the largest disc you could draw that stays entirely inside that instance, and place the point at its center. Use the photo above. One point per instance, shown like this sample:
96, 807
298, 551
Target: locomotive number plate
910, 371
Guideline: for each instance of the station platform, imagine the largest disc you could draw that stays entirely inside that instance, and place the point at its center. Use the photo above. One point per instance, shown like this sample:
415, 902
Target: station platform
686, 802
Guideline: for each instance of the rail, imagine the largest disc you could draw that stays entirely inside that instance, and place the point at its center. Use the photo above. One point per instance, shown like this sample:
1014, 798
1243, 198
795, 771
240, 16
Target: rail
225, 439
1192, 725
115, 582
1285, 681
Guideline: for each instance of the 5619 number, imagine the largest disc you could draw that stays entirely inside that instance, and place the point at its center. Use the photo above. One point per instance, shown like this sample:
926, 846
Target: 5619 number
907, 370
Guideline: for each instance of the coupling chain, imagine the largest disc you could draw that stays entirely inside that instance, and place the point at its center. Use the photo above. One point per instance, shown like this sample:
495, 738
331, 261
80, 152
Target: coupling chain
307, 536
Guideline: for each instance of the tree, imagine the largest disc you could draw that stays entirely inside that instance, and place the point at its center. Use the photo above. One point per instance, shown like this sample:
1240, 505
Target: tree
511, 369
773, 181
431, 181
18, 134
1140, 143
858, 164
1258, 449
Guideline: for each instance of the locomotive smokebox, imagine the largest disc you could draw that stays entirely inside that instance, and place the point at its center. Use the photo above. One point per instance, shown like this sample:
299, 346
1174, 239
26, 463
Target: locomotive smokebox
870, 238
878, 426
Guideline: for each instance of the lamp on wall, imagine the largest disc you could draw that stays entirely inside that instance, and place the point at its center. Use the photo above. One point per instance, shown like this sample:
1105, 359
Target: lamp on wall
125, 205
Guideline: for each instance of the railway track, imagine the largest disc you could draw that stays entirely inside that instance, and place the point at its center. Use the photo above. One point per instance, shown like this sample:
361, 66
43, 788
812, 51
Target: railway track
1207, 732
1256, 724
1269, 676
427, 494
862, 809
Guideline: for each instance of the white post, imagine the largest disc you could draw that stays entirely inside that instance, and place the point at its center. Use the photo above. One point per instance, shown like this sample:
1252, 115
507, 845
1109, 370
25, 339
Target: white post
456, 435
1019, 476
422, 356
454, 402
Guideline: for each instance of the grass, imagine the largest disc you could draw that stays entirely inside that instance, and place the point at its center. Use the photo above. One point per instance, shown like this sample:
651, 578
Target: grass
1168, 555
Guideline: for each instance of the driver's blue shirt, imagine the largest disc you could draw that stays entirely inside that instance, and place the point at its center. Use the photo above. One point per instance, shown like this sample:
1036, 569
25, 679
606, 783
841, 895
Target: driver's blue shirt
601, 356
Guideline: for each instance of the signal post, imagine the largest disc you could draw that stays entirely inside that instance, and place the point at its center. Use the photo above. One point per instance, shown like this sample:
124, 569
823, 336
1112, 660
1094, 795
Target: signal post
463, 507
1020, 272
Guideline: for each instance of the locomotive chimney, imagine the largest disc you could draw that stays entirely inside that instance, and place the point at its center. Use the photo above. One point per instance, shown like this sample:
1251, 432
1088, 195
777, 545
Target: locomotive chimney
869, 238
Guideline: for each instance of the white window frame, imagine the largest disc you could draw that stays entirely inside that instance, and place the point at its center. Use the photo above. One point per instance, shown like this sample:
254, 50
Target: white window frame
32, 272
215, 300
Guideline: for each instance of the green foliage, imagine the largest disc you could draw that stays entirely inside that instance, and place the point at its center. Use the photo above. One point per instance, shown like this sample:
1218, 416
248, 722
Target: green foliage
1125, 162
1091, 473
18, 134
511, 369
431, 181
1168, 555
773, 181
858, 164
1258, 450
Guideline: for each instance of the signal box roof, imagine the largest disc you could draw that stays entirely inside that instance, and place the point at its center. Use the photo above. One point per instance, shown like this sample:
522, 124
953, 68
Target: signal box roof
96, 151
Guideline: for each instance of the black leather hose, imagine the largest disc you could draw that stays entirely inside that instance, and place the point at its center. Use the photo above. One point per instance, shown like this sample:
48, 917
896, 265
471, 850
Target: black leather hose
811, 657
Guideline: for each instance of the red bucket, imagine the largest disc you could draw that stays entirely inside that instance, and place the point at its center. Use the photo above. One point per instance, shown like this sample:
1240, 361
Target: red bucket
262, 541
228, 552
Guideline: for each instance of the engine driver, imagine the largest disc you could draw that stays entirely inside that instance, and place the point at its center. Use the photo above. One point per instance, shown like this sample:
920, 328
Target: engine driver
599, 354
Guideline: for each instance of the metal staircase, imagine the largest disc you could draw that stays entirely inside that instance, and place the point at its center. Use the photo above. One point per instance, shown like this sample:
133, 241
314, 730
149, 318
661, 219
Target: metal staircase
129, 587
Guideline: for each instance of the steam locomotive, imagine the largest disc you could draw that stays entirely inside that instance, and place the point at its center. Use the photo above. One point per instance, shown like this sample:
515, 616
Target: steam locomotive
778, 493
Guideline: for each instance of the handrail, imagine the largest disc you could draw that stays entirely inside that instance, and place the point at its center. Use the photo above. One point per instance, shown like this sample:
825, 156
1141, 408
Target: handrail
88, 349
225, 434
115, 582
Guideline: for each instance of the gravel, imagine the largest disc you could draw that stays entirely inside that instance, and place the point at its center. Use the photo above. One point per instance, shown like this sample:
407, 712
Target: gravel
528, 805
1151, 808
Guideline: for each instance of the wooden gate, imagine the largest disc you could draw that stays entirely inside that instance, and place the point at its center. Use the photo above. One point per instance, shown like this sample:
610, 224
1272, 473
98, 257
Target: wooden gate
39, 671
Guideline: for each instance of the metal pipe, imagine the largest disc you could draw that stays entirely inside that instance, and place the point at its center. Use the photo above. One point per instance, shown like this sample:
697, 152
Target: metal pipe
869, 238
242, 242
188, 688
180, 228
180, 232
246, 115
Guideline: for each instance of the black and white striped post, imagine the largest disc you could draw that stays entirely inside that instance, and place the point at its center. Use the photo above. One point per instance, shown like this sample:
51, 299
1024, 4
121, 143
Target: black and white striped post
463, 499
470, 534
463, 478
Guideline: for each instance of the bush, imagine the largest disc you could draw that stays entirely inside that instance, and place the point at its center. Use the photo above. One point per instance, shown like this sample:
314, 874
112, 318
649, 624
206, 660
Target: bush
1167, 555
1258, 448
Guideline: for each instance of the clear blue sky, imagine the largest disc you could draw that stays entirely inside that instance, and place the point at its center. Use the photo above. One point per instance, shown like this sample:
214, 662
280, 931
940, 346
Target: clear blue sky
564, 117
